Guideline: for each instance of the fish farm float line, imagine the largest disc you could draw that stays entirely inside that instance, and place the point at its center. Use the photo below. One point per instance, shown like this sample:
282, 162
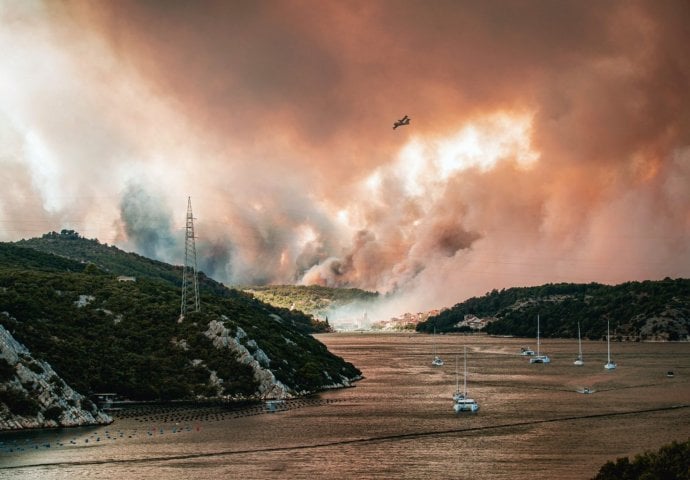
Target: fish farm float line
366, 440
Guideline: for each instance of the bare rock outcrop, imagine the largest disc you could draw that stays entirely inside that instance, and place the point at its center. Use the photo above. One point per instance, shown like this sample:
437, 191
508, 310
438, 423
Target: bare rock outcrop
32, 395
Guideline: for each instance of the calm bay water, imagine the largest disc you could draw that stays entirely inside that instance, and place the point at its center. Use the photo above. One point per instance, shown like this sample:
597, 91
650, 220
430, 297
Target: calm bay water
398, 421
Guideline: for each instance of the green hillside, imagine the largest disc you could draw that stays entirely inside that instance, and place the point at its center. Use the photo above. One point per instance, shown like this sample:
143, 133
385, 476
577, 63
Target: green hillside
101, 334
68, 245
649, 310
312, 299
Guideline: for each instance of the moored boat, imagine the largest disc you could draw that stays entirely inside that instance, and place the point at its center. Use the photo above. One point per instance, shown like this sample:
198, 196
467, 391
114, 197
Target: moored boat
579, 360
437, 360
610, 364
463, 403
539, 358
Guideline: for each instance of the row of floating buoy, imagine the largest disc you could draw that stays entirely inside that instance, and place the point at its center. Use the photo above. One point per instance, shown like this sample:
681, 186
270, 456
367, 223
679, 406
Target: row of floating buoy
183, 419
95, 437
217, 413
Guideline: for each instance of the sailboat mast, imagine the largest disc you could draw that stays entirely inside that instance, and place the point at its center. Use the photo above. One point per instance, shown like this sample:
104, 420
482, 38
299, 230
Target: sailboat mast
608, 342
465, 381
579, 340
457, 378
433, 344
537, 335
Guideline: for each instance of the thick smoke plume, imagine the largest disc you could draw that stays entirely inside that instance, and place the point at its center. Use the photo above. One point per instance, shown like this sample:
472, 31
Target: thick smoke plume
549, 141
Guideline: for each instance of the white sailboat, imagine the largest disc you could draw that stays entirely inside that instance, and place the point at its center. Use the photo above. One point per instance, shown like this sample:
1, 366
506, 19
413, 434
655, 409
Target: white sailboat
579, 360
437, 361
610, 365
463, 403
539, 358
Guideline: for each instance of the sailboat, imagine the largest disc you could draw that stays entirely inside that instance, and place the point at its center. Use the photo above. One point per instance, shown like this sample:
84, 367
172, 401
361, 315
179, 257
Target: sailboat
609, 364
579, 361
539, 358
459, 394
463, 403
437, 361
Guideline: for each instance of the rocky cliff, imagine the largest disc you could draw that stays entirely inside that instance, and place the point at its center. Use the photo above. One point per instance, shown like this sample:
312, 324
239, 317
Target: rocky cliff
32, 395
259, 362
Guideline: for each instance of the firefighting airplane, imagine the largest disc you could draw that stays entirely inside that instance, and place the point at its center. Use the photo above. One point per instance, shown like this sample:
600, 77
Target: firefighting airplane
403, 121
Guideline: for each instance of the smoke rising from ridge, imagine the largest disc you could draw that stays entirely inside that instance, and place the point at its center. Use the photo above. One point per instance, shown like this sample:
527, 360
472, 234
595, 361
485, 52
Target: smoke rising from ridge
549, 141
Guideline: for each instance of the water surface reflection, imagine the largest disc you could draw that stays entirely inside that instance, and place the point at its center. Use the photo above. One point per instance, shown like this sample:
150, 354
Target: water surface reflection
398, 421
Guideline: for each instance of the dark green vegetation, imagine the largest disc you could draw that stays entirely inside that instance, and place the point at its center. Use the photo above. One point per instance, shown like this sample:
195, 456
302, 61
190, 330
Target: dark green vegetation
105, 335
69, 245
18, 402
671, 462
312, 299
658, 310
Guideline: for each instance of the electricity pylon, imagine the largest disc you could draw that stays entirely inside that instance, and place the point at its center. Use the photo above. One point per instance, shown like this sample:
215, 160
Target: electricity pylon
190, 284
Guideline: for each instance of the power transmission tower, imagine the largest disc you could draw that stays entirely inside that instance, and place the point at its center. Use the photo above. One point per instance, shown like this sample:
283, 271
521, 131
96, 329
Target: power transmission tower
190, 284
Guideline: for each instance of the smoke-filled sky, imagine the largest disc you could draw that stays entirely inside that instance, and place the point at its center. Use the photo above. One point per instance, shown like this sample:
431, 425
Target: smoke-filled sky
549, 140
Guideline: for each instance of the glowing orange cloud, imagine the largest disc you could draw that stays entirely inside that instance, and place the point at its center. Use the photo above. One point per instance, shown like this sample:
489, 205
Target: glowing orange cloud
549, 141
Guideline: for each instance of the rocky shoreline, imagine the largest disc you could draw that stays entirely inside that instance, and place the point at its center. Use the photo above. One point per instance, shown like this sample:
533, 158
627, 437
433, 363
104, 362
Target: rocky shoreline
32, 395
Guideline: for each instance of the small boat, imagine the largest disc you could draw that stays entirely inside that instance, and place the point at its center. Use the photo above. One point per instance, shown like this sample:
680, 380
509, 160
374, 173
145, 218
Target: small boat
579, 361
463, 403
669, 374
466, 405
274, 405
610, 365
586, 390
526, 352
437, 361
539, 358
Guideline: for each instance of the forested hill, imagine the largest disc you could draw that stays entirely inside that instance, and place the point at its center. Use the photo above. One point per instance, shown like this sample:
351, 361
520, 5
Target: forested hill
69, 244
649, 310
103, 334
312, 299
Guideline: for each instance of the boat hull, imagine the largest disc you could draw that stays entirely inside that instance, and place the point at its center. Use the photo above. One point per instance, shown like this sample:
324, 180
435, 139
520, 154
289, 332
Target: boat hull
466, 405
540, 359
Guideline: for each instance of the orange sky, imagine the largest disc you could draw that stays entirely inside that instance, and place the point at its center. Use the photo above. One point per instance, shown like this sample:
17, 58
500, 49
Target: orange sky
549, 141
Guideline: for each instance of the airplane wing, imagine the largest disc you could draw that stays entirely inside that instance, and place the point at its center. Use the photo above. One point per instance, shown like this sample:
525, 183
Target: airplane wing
403, 121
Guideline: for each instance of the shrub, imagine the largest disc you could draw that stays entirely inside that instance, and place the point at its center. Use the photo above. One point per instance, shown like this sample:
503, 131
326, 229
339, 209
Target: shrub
671, 461
53, 413
58, 384
88, 405
7, 371
34, 367
18, 402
